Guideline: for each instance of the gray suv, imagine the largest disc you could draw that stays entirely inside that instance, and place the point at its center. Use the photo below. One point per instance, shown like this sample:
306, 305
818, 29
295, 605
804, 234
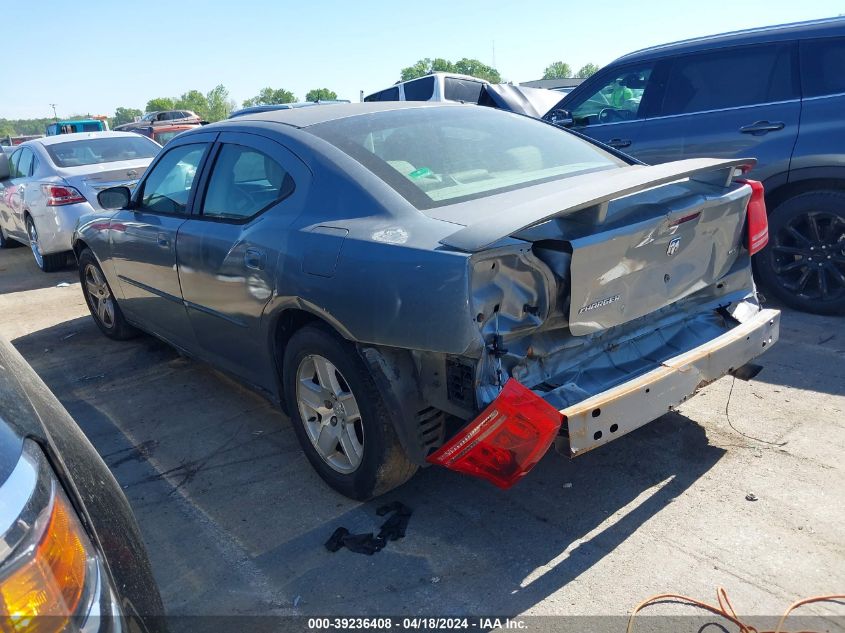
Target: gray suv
775, 93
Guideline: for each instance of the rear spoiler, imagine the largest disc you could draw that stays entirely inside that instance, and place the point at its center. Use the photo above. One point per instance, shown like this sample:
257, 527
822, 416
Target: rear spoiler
593, 190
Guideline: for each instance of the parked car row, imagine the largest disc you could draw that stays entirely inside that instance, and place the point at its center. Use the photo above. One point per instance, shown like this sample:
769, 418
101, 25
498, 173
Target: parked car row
513, 273
427, 283
47, 184
775, 93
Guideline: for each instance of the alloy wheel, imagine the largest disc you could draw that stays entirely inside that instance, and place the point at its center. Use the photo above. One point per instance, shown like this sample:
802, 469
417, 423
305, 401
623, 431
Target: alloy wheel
330, 413
33, 243
100, 296
808, 256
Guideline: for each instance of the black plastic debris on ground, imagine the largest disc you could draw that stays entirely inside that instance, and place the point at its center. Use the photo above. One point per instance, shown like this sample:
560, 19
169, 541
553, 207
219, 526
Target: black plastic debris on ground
391, 530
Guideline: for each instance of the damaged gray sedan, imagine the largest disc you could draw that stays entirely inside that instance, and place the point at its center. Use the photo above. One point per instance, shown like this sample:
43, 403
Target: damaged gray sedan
442, 284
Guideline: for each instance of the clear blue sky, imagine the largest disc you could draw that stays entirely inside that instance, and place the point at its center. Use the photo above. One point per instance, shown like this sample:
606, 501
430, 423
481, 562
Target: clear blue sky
95, 55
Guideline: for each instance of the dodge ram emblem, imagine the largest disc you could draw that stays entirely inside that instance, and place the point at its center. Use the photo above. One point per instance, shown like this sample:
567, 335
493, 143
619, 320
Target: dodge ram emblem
674, 245
132, 173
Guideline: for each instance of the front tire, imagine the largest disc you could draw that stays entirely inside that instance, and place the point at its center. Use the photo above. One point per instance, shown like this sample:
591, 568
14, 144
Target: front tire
47, 263
5, 241
803, 264
340, 417
101, 300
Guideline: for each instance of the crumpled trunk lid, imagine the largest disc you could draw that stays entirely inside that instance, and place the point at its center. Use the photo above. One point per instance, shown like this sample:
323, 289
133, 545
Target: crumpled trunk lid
626, 272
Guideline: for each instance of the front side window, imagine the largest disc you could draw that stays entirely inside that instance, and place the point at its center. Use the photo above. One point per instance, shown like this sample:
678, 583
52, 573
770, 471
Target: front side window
94, 151
823, 66
243, 182
744, 76
620, 98
167, 188
441, 155
466, 90
419, 89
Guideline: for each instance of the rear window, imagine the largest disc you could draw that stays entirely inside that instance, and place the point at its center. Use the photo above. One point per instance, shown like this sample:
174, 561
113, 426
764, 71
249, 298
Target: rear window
162, 138
101, 150
419, 89
732, 78
92, 127
823, 66
465, 90
441, 155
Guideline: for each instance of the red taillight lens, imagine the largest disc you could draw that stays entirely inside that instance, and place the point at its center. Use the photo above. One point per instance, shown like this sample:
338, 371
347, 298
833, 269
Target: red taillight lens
506, 441
57, 195
757, 221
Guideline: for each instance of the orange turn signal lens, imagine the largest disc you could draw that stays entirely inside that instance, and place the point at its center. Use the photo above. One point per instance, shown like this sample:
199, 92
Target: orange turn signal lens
50, 581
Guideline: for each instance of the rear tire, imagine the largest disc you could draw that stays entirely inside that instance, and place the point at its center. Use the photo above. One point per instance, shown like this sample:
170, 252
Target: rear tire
376, 461
47, 263
803, 264
101, 300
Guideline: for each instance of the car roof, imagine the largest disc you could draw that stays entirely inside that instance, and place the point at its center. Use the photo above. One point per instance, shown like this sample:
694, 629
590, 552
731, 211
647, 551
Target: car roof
304, 117
77, 136
793, 30
269, 107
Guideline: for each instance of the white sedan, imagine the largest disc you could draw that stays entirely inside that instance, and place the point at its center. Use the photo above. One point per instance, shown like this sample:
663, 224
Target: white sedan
49, 183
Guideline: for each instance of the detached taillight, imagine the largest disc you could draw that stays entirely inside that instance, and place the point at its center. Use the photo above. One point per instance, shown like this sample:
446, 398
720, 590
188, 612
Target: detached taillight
757, 222
506, 441
58, 195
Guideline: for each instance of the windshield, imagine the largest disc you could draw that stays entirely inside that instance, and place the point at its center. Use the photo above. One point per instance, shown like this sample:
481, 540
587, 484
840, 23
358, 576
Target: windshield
442, 155
101, 150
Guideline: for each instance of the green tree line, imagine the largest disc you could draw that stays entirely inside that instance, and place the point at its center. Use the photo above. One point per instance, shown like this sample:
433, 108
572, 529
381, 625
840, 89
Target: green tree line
215, 105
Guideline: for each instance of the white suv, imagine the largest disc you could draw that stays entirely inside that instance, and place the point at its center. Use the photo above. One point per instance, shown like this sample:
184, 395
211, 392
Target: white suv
433, 87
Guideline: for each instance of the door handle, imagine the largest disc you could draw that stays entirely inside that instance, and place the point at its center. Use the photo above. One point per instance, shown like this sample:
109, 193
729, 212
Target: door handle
758, 128
163, 240
254, 259
619, 143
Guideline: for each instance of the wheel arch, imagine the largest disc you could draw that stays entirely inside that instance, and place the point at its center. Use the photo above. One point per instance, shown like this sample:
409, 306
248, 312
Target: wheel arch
782, 187
393, 371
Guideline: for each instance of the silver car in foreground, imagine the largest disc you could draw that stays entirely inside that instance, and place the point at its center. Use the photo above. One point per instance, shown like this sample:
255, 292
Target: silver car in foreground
446, 284
47, 184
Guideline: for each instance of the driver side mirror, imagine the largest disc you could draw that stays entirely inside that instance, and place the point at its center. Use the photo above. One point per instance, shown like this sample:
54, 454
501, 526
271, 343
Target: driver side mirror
114, 197
4, 166
562, 118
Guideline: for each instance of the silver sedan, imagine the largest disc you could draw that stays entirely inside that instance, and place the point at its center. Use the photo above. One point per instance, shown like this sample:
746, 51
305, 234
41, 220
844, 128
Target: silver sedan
47, 184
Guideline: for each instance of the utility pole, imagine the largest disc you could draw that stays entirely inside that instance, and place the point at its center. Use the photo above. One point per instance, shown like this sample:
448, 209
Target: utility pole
55, 116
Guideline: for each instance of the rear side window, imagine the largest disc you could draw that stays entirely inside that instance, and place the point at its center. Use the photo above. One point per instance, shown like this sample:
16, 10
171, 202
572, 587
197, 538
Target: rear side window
243, 183
455, 89
419, 90
24, 165
823, 66
730, 78
391, 94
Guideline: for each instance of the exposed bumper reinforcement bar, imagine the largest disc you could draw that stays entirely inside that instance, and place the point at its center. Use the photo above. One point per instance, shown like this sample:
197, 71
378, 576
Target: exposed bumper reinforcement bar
612, 413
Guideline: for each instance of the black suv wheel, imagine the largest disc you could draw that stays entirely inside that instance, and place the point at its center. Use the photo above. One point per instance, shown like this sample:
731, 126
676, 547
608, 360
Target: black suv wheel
804, 262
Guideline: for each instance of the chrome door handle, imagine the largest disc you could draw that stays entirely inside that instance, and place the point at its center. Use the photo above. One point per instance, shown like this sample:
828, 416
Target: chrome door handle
619, 143
758, 128
254, 259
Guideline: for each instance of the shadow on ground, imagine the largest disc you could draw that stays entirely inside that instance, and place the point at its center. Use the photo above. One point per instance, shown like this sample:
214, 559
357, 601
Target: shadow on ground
235, 519
18, 271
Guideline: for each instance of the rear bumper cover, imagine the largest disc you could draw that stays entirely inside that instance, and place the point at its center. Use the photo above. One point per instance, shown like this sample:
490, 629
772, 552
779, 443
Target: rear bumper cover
617, 411
55, 226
